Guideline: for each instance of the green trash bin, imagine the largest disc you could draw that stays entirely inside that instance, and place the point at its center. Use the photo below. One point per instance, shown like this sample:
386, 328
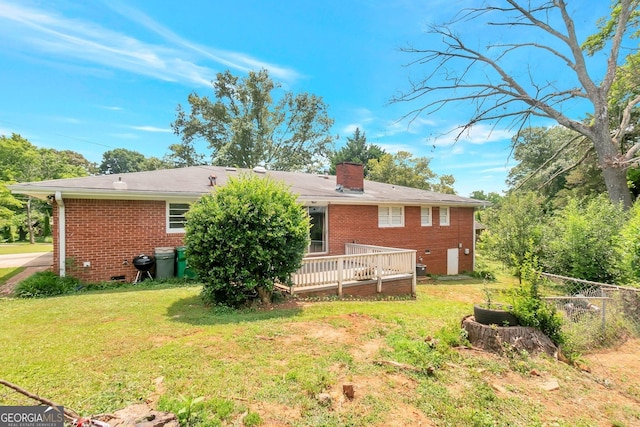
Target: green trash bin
181, 262
189, 272
164, 262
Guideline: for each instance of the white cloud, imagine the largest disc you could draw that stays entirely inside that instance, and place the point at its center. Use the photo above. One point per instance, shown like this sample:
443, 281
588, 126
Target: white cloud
51, 34
416, 126
71, 120
235, 60
351, 128
457, 149
112, 108
396, 147
504, 168
487, 166
478, 134
150, 128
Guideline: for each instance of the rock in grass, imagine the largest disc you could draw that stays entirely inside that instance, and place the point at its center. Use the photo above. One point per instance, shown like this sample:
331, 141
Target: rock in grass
324, 399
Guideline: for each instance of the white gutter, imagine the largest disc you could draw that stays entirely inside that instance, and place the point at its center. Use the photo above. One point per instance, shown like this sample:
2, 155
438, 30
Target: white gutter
473, 234
62, 240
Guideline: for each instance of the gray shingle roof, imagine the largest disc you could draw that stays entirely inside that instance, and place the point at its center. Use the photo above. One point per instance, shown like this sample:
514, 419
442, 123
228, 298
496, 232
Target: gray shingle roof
192, 182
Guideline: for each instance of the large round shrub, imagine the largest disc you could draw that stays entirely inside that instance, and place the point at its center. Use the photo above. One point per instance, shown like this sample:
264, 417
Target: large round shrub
244, 237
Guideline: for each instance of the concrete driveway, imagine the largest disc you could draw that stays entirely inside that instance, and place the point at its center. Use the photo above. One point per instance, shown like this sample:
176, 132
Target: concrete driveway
36, 259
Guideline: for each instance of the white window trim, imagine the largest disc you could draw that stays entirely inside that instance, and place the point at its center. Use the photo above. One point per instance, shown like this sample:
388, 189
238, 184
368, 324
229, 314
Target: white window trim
422, 222
448, 221
168, 210
388, 223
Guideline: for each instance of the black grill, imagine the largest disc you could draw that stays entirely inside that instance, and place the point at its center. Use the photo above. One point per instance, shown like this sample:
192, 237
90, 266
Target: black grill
143, 263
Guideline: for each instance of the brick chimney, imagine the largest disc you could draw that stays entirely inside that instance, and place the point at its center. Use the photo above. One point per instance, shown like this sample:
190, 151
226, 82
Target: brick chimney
350, 177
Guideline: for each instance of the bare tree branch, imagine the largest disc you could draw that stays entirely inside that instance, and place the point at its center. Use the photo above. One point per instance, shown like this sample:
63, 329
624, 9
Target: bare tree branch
623, 128
461, 74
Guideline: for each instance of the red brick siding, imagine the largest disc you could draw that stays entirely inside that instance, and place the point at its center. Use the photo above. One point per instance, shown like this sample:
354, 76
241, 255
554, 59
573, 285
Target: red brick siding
107, 233
397, 287
359, 224
367, 289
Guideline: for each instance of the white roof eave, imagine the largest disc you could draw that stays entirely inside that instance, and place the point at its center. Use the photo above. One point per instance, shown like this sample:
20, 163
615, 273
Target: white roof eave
76, 193
42, 192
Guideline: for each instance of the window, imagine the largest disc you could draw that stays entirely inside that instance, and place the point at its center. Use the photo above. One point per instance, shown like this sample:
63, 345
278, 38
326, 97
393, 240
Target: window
390, 216
425, 216
444, 216
175, 217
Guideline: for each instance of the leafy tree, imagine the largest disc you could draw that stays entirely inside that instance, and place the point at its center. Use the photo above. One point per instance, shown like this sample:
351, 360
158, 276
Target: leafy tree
244, 237
183, 155
63, 164
21, 161
514, 227
492, 197
121, 160
581, 240
404, 169
628, 247
154, 163
356, 150
444, 185
16, 154
245, 126
556, 162
460, 72
8, 206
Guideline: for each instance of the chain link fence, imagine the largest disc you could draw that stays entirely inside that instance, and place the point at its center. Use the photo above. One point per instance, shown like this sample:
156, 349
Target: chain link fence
596, 314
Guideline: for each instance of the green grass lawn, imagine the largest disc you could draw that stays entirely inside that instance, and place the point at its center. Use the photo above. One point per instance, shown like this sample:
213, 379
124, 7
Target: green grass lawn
103, 350
23, 248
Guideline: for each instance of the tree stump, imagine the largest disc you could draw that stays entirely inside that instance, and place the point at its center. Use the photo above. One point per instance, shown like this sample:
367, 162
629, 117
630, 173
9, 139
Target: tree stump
493, 338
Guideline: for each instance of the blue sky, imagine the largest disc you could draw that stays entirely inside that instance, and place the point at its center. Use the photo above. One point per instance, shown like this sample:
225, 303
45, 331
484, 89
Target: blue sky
93, 76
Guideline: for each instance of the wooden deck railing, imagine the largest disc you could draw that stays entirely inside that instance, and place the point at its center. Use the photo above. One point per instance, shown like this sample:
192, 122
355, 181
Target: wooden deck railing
361, 262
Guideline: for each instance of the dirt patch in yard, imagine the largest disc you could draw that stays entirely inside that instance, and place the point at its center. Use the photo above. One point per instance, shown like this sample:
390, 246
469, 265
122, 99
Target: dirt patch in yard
606, 390
608, 393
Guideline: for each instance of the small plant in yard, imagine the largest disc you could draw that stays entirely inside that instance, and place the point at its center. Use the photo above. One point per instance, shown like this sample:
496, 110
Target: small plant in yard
529, 307
188, 412
488, 297
252, 419
492, 313
44, 284
196, 411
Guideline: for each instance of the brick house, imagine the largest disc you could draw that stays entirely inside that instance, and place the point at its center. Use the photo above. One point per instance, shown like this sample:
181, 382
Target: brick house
100, 223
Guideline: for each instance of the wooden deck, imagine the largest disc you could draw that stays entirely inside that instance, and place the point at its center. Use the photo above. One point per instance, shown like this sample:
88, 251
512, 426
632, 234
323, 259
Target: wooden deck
364, 270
